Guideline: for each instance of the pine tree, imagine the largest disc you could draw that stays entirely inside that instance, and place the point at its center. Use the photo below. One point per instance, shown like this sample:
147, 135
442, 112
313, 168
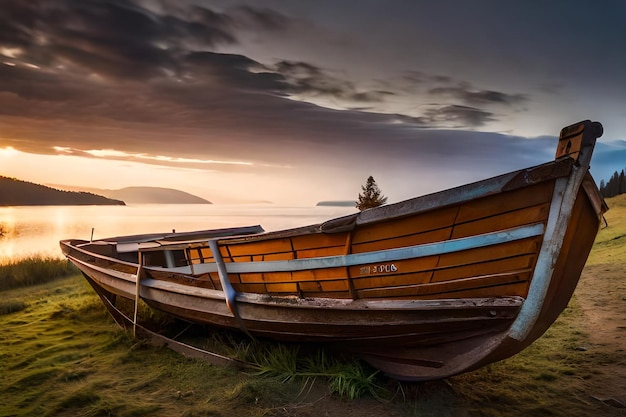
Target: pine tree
370, 196
602, 188
614, 186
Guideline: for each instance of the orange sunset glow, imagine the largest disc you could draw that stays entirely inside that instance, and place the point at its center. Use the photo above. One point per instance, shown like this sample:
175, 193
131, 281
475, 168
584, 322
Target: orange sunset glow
298, 103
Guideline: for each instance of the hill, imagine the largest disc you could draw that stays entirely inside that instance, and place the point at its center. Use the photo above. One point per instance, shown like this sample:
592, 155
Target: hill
154, 195
342, 203
14, 192
144, 195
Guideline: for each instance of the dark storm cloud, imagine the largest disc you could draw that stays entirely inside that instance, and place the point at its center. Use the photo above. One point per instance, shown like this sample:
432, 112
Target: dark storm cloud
113, 38
457, 103
120, 61
97, 59
117, 75
458, 116
32, 84
17, 20
120, 40
473, 97
305, 78
235, 72
261, 19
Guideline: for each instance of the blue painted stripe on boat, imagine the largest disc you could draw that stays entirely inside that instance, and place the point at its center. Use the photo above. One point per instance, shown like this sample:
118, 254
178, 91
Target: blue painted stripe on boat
388, 255
228, 289
563, 199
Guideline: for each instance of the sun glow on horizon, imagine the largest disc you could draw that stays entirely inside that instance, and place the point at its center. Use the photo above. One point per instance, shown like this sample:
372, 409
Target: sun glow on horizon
115, 154
8, 151
79, 169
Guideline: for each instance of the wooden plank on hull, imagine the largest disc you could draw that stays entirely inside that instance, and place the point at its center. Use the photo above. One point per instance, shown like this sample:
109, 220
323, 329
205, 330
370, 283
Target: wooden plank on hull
335, 285
282, 287
262, 247
529, 215
484, 268
398, 242
319, 274
505, 250
392, 281
405, 226
284, 256
318, 240
341, 295
296, 276
250, 287
458, 287
321, 252
506, 202
389, 269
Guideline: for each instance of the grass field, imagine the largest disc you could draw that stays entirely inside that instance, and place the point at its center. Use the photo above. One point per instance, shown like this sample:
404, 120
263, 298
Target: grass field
62, 355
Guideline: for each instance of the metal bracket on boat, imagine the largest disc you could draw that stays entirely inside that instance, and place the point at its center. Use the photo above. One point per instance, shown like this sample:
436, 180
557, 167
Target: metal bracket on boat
137, 287
229, 292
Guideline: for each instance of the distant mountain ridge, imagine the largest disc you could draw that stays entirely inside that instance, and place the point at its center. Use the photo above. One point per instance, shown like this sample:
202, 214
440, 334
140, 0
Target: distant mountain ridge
154, 195
338, 203
144, 195
14, 192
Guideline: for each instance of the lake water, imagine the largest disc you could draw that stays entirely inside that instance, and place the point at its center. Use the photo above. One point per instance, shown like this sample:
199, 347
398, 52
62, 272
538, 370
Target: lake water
37, 230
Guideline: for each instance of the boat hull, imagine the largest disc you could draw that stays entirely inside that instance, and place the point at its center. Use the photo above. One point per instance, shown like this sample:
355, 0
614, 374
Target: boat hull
422, 289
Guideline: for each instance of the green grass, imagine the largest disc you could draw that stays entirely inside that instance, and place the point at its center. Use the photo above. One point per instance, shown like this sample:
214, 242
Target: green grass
33, 270
611, 240
537, 381
62, 355
346, 377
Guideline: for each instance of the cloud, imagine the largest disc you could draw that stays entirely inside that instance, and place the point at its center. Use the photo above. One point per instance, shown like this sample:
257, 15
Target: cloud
158, 82
115, 38
262, 19
458, 116
119, 74
103, 62
309, 80
471, 96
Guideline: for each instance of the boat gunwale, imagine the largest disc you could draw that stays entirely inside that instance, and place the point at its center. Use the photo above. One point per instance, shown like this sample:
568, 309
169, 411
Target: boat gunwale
317, 302
386, 255
434, 201
334, 261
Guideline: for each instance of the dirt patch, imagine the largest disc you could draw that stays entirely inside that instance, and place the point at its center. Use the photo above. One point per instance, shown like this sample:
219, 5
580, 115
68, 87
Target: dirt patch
600, 385
601, 294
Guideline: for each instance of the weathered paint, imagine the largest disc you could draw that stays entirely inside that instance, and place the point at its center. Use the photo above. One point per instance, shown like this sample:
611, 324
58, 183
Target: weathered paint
439, 338
552, 242
388, 255
229, 292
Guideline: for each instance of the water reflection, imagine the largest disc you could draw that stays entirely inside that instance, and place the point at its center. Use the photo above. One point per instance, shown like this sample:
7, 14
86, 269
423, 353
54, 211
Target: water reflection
26, 231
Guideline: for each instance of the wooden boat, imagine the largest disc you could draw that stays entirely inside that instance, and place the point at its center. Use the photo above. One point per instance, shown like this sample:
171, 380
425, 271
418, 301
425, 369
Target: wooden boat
421, 289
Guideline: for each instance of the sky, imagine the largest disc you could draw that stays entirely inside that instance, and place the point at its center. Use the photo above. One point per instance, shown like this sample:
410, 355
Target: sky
295, 102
